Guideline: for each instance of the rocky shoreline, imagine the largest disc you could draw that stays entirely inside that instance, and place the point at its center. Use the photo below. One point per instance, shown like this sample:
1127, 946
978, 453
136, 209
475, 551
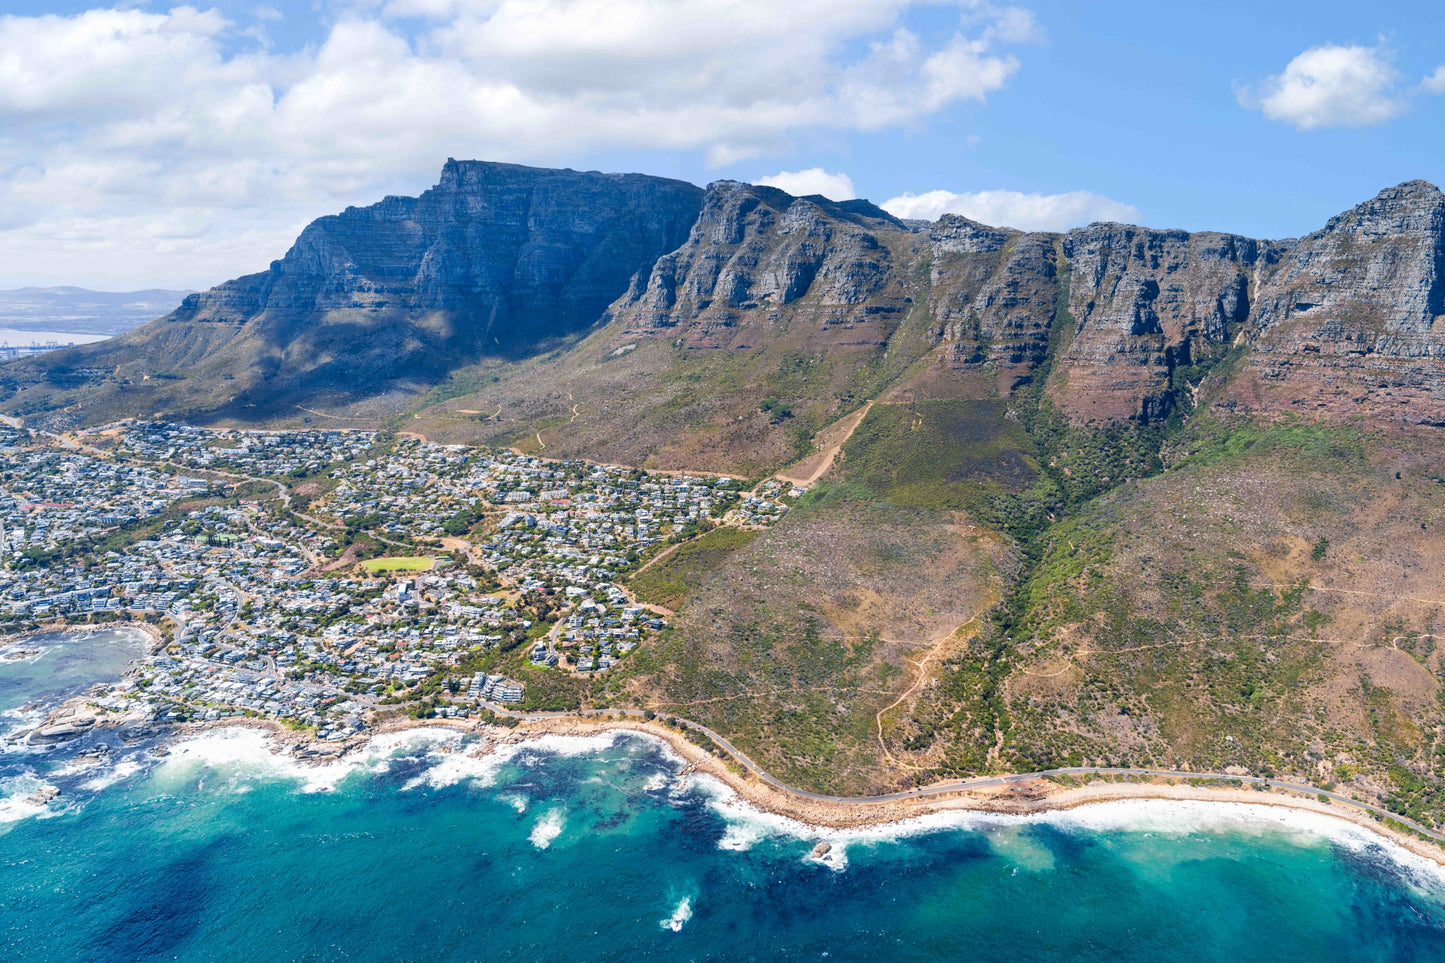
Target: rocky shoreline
1035, 797
78, 715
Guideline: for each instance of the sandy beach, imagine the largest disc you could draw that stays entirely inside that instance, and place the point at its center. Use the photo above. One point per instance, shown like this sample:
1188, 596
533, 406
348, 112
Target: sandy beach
1025, 797
1032, 797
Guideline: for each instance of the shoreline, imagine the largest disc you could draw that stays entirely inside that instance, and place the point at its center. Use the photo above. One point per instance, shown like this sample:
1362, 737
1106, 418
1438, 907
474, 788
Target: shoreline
1024, 796
1037, 797
150, 631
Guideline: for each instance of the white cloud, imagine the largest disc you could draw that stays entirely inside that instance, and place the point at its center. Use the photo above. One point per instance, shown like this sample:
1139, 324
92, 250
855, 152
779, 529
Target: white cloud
1027, 212
1330, 86
115, 120
814, 180
1435, 83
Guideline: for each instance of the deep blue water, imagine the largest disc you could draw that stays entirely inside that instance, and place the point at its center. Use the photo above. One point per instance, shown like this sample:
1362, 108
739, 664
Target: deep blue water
588, 850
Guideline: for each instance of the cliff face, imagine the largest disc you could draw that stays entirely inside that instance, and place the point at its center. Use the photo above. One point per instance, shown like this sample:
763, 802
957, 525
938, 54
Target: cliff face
513, 254
756, 249
497, 260
1006, 321
386, 299
1355, 316
1147, 306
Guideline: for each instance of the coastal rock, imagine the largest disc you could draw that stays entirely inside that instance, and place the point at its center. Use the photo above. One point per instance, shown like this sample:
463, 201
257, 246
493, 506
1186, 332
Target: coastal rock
61, 730
66, 722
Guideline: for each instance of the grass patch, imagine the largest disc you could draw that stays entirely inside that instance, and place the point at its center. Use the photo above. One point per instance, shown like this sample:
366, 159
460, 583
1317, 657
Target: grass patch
940, 454
398, 564
668, 582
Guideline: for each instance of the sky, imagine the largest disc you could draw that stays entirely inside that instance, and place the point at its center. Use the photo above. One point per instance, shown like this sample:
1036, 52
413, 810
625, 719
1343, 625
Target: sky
152, 145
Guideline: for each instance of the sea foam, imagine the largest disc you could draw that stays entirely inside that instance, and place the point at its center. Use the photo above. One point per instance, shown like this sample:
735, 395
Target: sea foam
16, 802
548, 828
241, 751
680, 915
747, 824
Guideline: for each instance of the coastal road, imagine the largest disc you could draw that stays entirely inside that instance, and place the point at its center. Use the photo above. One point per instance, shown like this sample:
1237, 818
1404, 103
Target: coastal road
952, 787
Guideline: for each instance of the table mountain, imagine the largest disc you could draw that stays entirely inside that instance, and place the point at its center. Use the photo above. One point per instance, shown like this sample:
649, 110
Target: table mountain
496, 259
373, 307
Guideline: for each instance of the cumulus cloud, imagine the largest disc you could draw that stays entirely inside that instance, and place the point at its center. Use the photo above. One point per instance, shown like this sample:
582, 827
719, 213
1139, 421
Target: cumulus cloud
814, 180
1027, 212
162, 145
1330, 86
1435, 83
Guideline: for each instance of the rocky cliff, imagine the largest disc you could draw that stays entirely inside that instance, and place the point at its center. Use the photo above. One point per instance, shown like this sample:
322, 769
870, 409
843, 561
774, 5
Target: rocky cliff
1354, 318
514, 254
756, 250
1150, 308
497, 261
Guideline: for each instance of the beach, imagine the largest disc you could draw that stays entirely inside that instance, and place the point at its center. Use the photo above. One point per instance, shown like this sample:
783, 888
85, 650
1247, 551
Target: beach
1019, 797
625, 841
1036, 797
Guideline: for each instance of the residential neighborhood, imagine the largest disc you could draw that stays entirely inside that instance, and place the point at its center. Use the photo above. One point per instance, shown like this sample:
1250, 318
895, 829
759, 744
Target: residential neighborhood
325, 578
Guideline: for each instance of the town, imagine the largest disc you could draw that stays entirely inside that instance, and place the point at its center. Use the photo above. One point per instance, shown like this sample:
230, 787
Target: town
327, 579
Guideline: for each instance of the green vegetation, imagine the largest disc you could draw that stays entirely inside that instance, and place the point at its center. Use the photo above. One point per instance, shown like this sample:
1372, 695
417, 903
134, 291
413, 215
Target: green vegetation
398, 564
940, 454
667, 582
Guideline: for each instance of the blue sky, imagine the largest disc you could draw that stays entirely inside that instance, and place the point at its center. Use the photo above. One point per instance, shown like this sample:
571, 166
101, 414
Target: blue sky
149, 144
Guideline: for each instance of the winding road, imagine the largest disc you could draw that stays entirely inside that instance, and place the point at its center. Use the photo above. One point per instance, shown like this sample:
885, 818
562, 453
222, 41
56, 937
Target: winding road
955, 786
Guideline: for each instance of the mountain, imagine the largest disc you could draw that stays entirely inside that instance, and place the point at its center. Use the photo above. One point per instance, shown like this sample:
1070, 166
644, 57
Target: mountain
496, 259
79, 311
1111, 496
374, 308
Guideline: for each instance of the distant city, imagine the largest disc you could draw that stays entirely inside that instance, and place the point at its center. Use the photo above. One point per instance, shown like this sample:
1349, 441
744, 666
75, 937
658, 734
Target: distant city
34, 320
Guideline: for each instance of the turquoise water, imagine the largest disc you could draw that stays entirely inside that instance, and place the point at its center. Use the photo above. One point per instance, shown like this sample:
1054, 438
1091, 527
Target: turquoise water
64, 664
590, 850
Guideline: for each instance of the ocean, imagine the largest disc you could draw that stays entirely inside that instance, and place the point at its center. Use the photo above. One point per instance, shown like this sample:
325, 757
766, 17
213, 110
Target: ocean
424, 848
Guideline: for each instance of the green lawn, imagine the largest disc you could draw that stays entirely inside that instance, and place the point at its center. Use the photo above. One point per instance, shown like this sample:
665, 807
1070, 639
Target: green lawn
399, 564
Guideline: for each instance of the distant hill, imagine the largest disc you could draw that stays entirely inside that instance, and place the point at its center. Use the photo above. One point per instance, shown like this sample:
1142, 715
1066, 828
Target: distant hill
80, 311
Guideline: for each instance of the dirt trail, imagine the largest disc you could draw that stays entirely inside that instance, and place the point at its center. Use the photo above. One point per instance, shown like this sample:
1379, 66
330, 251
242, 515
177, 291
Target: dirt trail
831, 441
323, 414
912, 690
655, 559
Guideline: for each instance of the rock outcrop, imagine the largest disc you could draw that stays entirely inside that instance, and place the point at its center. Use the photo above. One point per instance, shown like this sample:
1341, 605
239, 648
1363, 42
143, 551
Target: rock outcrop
1006, 324
1146, 304
499, 261
758, 249
513, 254
1355, 316
495, 260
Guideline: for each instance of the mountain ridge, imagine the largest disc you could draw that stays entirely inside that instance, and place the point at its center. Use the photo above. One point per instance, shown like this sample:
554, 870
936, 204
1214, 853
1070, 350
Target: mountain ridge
375, 307
1144, 497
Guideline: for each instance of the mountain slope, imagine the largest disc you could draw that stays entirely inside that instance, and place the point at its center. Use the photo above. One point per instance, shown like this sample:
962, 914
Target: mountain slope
542, 299
494, 260
1121, 496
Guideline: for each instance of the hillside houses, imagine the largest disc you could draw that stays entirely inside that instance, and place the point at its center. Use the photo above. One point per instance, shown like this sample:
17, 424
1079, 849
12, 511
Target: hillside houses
270, 619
